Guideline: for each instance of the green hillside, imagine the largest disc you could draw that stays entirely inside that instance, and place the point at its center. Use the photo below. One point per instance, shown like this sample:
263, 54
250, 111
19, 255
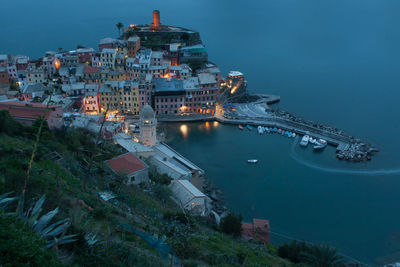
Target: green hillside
142, 226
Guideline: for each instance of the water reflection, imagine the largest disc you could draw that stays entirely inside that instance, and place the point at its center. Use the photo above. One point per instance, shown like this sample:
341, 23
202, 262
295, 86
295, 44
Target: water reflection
184, 130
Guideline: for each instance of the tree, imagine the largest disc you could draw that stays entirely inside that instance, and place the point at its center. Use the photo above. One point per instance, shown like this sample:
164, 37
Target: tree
322, 255
294, 251
119, 26
232, 224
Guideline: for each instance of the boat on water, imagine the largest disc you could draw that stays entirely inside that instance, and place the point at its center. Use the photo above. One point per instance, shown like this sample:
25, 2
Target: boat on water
249, 127
312, 140
252, 161
304, 141
267, 129
240, 127
320, 144
293, 134
260, 130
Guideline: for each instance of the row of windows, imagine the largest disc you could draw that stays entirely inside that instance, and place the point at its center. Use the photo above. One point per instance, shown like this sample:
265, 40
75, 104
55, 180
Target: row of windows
125, 104
170, 106
200, 98
201, 93
115, 99
170, 100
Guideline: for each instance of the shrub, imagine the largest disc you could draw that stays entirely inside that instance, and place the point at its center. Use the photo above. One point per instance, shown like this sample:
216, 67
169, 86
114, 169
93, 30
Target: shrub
232, 224
19, 246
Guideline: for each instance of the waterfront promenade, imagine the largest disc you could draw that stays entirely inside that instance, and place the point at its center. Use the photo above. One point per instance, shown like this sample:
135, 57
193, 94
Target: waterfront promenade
259, 113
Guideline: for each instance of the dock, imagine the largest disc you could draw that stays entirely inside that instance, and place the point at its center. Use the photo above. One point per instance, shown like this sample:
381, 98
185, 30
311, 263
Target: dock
259, 113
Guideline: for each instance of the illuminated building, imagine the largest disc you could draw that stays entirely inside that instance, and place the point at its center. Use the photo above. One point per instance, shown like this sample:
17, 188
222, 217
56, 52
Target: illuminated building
234, 88
156, 20
121, 96
201, 93
168, 95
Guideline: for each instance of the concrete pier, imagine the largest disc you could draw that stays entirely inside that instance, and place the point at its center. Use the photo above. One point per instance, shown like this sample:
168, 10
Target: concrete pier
259, 113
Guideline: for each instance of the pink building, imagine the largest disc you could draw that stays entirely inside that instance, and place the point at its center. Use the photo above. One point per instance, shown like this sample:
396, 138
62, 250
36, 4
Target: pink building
85, 55
4, 77
258, 231
201, 93
133, 44
91, 102
168, 96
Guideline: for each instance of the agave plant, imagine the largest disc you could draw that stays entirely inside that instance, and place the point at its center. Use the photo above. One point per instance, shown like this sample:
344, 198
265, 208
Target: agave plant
54, 234
92, 240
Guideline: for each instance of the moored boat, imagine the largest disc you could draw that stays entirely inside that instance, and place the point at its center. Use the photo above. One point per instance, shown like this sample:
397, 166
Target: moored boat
249, 127
320, 144
252, 160
304, 141
260, 130
240, 127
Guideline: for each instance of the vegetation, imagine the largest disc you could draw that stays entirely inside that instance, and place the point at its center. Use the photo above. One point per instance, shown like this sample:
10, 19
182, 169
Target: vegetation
119, 26
232, 224
316, 255
20, 246
59, 170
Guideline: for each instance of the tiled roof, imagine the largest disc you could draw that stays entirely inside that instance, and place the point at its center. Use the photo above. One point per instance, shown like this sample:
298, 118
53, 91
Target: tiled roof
89, 69
25, 110
126, 163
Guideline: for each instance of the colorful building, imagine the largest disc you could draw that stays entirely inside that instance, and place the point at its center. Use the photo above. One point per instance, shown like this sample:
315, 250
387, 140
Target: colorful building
258, 231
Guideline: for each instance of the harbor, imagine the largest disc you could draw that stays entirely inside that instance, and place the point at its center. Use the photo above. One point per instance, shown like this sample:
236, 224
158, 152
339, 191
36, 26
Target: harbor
260, 114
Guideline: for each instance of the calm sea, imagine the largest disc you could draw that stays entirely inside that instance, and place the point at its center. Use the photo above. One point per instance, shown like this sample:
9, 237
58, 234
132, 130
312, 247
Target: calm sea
336, 62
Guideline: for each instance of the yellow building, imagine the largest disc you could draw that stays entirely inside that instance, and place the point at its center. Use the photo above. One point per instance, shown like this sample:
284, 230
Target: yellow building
122, 96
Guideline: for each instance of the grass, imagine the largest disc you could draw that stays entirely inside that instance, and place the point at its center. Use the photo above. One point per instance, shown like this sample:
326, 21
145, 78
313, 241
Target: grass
195, 241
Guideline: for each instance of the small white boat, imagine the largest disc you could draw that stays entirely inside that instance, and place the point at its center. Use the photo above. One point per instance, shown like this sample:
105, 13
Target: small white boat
320, 144
252, 160
260, 130
267, 129
304, 141
294, 135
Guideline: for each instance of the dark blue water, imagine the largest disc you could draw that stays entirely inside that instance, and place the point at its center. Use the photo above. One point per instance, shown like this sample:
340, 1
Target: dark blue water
336, 62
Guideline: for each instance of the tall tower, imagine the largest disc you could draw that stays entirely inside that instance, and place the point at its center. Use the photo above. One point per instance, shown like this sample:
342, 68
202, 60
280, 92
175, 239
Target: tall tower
147, 124
156, 20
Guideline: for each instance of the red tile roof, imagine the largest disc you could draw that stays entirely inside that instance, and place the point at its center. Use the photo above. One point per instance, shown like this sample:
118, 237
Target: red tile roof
25, 110
262, 224
258, 231
90, 69
126, 163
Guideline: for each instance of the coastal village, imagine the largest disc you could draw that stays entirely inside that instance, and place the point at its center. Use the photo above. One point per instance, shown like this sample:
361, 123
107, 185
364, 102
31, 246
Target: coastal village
121, 90
154, 73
